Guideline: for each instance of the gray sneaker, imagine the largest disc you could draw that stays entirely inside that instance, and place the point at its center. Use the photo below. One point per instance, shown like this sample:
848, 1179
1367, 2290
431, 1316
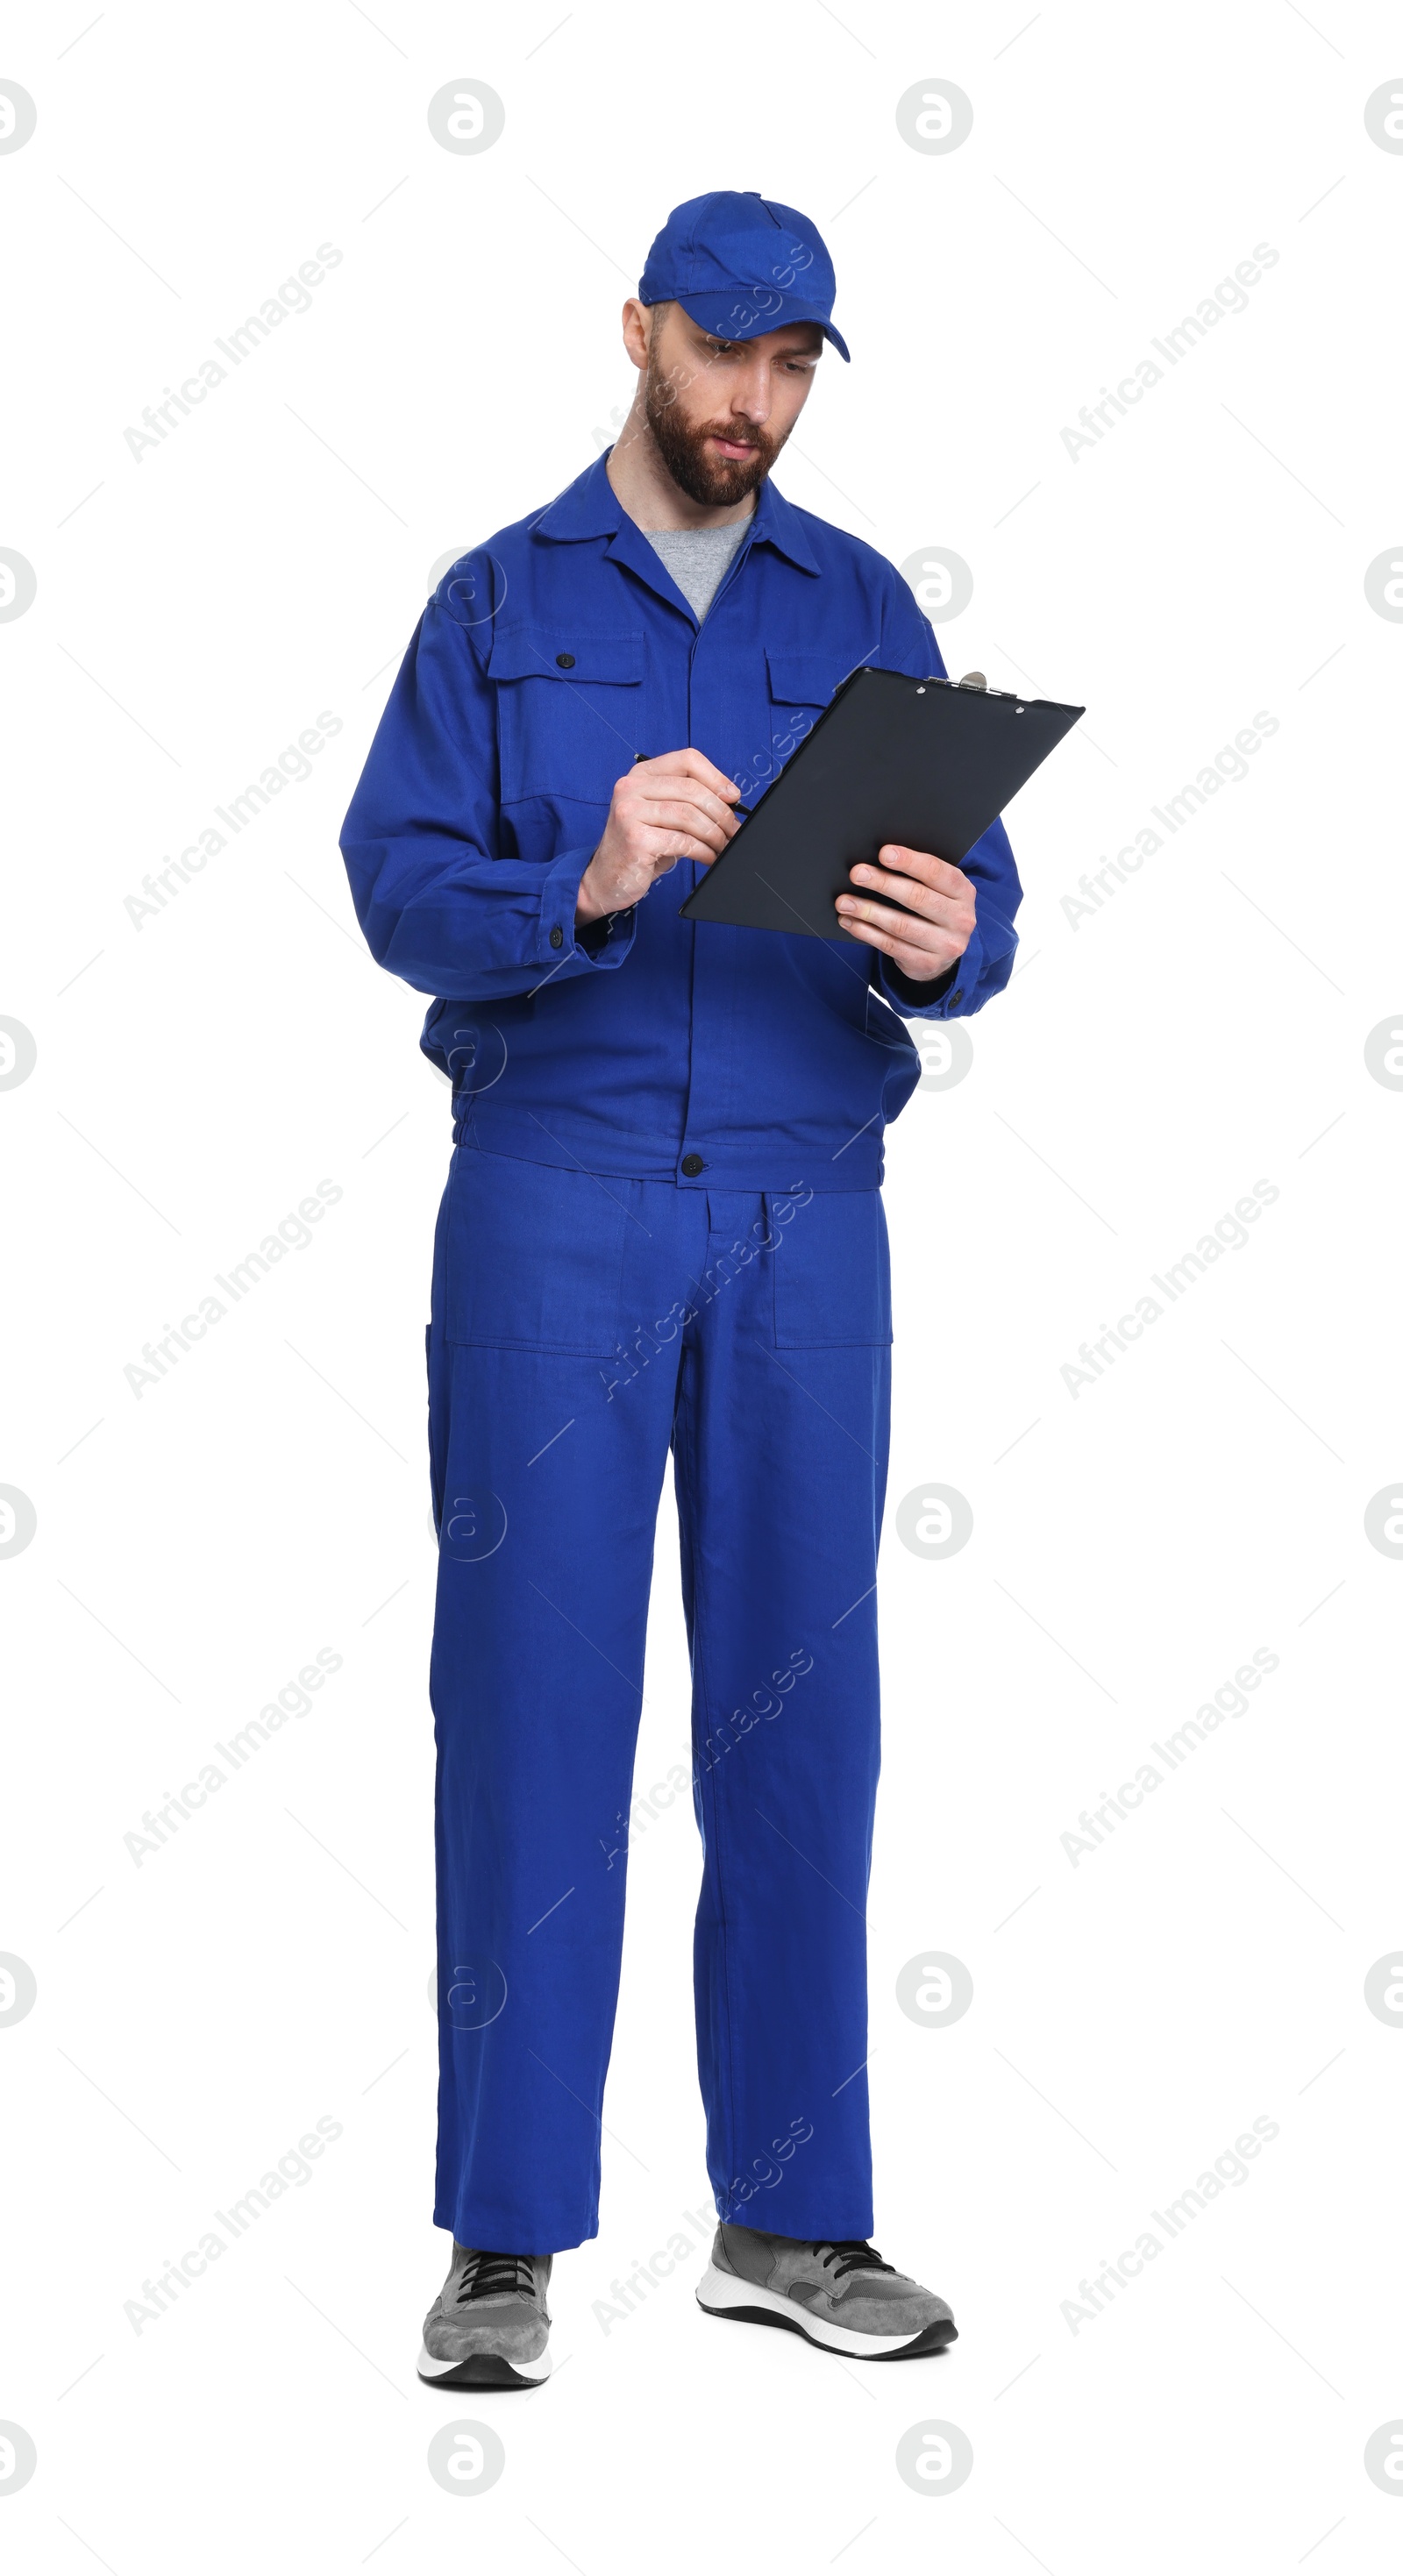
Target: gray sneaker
839, 2295
488, 2326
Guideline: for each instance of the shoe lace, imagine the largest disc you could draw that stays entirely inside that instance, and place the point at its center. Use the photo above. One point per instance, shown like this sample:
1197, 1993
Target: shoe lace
491, 2276
849, 2254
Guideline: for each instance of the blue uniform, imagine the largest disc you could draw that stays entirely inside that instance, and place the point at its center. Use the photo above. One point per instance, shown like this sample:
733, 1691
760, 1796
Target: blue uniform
662, 1230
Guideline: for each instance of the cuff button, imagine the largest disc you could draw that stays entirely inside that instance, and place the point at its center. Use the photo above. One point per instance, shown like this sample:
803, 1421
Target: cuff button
557, 937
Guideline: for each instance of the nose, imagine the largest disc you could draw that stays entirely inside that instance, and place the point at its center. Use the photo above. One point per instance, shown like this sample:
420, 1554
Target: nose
751, 397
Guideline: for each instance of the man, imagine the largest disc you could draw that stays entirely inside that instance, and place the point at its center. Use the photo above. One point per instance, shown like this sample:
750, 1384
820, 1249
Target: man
662, 1230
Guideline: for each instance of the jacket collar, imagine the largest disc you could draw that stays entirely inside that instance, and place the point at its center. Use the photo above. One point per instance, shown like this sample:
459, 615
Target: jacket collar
590, 507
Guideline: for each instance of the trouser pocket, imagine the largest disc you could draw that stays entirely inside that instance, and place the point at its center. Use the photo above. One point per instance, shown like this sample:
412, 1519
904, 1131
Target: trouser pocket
534, 1256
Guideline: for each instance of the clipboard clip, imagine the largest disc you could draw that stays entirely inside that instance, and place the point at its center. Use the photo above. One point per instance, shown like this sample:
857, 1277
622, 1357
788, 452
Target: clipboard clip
971, 680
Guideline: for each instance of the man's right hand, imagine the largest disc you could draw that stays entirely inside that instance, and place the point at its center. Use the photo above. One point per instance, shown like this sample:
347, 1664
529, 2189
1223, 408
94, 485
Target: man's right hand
675, 807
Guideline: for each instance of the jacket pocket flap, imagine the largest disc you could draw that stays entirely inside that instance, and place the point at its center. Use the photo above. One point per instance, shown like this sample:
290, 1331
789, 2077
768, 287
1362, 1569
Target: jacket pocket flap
803, 679
525, 652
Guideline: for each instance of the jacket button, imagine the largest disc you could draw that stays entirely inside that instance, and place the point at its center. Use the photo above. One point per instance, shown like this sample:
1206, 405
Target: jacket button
557, 937
565, 661
958, 994
692, 1164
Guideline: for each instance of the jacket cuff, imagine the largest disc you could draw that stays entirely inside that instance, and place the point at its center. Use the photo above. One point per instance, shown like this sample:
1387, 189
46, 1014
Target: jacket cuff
945, 997
562, 946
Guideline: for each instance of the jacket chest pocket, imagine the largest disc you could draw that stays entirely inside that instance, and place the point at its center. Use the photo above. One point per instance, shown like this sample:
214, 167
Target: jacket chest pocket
801, 685
569, 710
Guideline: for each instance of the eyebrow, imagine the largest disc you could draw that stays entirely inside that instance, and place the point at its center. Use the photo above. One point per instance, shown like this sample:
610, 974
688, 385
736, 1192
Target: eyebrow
719, 347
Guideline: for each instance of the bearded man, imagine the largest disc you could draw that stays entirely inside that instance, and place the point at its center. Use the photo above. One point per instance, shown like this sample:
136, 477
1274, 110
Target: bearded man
662, 1232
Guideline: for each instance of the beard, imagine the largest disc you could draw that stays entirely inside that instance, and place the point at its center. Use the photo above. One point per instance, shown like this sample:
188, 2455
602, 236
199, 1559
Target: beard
714, 482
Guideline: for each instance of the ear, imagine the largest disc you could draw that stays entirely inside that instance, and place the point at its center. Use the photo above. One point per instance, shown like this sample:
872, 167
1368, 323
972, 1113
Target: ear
636, 329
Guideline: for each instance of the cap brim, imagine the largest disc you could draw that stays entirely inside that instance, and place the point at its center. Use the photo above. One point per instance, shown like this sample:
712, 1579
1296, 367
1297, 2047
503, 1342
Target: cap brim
732, 315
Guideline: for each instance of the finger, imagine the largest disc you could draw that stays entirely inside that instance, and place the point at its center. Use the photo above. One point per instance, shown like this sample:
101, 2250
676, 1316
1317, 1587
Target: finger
915, 962
912, 932
870, 936
695, 797
914, 894
923, 864
918, 868
684, 817
674, 846
694, 764
672, 819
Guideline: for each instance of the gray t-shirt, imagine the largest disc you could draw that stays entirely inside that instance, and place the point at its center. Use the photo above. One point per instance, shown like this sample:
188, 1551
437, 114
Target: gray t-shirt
698, 559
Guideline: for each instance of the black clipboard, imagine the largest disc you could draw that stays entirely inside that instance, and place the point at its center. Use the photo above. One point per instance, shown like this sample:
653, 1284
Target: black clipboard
926, 763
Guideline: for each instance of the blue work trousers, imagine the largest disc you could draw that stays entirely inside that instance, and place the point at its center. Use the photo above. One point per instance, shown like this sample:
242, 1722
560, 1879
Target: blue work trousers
582, 1326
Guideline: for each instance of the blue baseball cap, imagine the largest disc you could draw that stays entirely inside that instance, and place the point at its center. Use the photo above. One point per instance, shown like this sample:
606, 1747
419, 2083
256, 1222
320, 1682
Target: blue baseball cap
740, 265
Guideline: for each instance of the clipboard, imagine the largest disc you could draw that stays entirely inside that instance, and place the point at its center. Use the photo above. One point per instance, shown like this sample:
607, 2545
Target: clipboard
929, 764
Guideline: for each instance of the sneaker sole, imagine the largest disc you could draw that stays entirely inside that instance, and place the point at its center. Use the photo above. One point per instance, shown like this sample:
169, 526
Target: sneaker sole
483, 2370
720, 2294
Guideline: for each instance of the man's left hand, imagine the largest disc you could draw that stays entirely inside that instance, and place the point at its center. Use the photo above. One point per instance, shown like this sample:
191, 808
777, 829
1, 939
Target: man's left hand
939, 895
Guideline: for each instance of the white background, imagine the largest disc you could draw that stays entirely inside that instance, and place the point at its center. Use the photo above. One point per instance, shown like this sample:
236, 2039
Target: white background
1205, 1497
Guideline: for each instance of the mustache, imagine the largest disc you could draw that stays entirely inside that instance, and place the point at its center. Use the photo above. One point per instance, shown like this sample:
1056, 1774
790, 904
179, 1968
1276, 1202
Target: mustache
683, 445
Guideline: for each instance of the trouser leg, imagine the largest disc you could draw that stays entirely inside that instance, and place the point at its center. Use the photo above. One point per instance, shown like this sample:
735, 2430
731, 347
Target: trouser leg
780, 1444
546, 1492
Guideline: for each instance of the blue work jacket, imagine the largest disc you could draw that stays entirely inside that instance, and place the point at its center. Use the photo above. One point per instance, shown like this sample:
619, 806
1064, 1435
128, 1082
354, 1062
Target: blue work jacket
645, 1045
